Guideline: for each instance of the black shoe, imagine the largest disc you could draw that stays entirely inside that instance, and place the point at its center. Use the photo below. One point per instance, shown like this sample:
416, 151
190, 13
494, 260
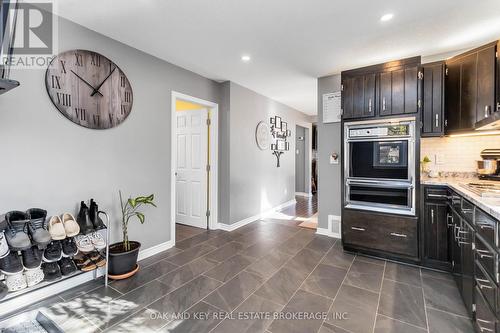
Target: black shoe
94, 216
69, 248
11, 264
51, 271
83, 220
53, 252
32, 258
67, 266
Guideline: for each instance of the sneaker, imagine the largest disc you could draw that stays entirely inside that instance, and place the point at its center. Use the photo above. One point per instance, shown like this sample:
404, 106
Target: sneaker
53, 252
97, 258
3, 290
17, 230
67, 266
37, 227
84, 243
56, 228
4, 247
34, 276
11, 264
84, 263
70, 226
94, 216
16, 282
69, 248
51, 271
97, 240
83, 219
32, 258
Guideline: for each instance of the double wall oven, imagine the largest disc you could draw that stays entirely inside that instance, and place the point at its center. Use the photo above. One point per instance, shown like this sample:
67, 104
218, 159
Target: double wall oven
379, 165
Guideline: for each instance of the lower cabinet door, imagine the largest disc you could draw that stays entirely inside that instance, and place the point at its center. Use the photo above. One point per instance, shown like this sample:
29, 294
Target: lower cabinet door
485, 320
436, 233
466, 238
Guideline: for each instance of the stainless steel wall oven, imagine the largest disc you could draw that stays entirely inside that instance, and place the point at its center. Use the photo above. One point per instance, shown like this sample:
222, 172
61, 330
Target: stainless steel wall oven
379, 165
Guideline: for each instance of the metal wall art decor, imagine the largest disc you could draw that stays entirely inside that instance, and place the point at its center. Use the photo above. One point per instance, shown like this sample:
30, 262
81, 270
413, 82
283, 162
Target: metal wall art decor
262, 136
280, 133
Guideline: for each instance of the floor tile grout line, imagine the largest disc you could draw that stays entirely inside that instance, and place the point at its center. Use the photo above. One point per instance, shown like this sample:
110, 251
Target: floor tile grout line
264, 282
308, 275
91, 322
379, 296
405, 283
340, 287
425, 302
400, 321
448, 312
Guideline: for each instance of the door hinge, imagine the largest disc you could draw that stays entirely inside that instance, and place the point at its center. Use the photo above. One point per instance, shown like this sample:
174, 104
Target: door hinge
446, 71
473, 307
473, 246
419, 103
420, 75
446, 123
208, 213
209, 122
208, 167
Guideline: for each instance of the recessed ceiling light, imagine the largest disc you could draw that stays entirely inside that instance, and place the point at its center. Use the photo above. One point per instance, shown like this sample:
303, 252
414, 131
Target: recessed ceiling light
245, 58
387, 17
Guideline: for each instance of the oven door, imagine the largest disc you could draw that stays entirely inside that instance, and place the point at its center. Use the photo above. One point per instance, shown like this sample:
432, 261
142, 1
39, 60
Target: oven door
396, 197
388, 159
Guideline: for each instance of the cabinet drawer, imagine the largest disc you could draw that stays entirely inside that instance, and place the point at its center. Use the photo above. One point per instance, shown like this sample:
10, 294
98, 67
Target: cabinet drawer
436, 194
487, 227
486, 256
485, 285
485, 318
381, 232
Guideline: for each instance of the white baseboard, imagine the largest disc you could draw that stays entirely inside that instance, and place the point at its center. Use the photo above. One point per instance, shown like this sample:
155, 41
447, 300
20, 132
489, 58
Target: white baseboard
304, 194
151, 251
241, 223
328, 231
11, 305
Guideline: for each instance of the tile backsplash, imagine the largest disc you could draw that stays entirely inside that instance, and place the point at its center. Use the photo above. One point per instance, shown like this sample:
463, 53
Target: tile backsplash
456, 153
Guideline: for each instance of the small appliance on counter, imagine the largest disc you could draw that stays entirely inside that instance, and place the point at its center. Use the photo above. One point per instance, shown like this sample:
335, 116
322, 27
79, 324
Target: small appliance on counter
489, 167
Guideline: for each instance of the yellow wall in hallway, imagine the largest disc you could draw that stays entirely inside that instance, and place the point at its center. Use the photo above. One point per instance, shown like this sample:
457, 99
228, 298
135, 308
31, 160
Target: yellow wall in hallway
181, 105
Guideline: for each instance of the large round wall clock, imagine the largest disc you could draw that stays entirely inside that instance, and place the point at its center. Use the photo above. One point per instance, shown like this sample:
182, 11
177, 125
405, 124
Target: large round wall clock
89, 89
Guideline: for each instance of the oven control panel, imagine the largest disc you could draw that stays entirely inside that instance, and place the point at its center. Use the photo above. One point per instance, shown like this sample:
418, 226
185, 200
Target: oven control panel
380, 131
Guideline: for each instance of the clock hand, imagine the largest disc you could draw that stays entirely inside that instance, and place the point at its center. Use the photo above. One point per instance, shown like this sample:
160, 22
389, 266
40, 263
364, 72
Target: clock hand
78, 76
96, 90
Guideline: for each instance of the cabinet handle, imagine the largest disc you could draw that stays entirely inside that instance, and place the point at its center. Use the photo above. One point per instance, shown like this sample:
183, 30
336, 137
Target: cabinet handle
485, 226
483, 329
383, 103
358, 229
486, 111
487, 284
448, 218
498, 106
432, 215
463, 243
370, 105
398, 235
484, 254
430, 195
437, 120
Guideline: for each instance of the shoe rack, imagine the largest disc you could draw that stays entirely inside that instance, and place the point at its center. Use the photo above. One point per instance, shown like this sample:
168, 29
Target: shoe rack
27, 296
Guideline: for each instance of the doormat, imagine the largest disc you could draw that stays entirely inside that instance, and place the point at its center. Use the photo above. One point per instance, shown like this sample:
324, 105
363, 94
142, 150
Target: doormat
311, 223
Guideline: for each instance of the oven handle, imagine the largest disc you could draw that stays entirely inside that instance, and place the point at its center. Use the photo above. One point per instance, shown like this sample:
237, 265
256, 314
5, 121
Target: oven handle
380, 183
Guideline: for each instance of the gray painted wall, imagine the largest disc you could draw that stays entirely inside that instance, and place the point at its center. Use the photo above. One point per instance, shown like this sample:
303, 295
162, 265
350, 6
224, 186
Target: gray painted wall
49, 162
329, 141
300, 159
255, 183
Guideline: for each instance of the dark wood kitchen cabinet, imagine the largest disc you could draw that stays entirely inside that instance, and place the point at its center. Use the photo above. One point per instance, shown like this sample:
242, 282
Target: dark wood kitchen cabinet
433, 99
470, 88
497, 94
382, 90
465, 241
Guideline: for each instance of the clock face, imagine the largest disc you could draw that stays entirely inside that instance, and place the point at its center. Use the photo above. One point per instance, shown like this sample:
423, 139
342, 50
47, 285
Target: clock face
89, 89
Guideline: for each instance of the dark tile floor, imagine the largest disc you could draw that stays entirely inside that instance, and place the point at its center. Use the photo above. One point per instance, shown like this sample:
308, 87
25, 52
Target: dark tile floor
268, 276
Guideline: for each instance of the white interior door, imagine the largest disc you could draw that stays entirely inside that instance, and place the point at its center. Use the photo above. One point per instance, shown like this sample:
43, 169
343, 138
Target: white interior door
191, 179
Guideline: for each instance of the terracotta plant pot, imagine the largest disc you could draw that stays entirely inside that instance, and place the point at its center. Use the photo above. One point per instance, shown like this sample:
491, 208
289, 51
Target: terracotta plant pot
122, 262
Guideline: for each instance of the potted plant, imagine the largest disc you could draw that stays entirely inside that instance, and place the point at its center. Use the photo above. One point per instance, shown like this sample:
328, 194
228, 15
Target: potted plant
123, 255
425, 164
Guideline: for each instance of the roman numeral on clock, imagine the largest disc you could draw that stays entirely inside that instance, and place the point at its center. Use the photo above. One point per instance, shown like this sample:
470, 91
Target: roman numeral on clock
81, 113
97, 119
127, 96
78, 59
110, 118
63, 66
122, 81
123, 109
95, 60
64, 99
56, 82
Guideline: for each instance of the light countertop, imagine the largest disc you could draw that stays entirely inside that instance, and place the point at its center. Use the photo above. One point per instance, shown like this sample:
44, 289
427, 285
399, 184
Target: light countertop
487, 204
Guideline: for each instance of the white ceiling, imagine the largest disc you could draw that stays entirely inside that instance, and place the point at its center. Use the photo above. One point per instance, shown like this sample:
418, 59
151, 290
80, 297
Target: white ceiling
291, 42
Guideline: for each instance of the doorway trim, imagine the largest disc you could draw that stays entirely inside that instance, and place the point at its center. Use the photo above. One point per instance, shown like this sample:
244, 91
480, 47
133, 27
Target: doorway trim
214, 153
308, 158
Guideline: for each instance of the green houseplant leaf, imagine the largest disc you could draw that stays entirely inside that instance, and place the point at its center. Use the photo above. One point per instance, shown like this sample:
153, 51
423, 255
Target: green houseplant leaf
141, 217
129, 209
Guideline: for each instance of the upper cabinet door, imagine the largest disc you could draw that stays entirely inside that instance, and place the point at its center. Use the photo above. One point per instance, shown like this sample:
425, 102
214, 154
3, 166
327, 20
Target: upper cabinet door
347, 98
468, 98
497, 53
433, 99
358, 96
369, 89
452, 94
485, 82
411, 90
398, 91
385, 106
